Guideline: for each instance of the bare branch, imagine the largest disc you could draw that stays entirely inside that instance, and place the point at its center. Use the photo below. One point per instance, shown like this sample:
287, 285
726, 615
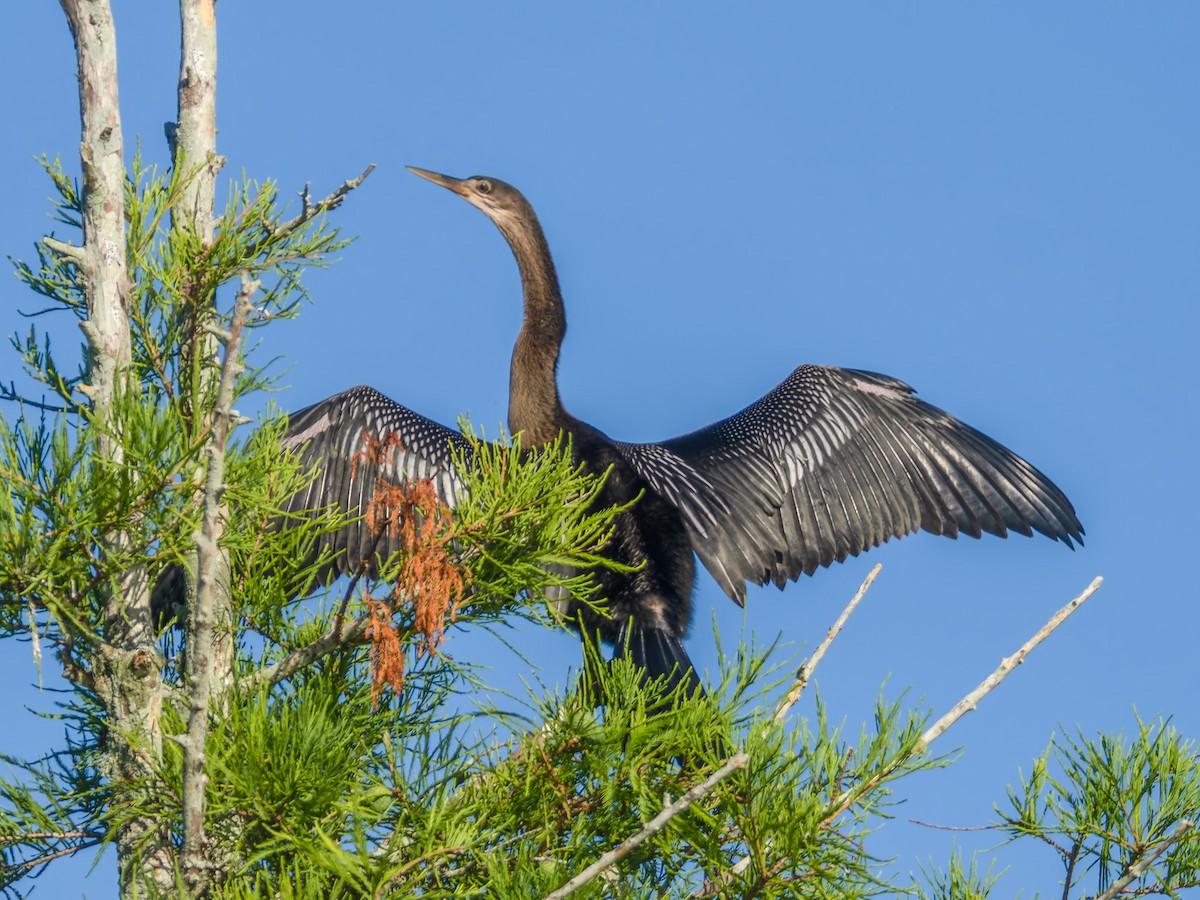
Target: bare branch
308, 209
971, 700
9, 392
69, 252
209, 668
194, 138
102, 257
806, 670
127, 673
738, 761
939, 728
1139, 868
803, 676
965, 705
354, 633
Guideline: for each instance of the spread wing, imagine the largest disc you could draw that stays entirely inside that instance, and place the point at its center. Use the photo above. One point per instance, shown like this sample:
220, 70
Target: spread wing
833, 462
354, 440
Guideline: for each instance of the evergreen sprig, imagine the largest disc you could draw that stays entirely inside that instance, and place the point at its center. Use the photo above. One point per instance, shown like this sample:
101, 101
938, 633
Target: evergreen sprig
1106, 804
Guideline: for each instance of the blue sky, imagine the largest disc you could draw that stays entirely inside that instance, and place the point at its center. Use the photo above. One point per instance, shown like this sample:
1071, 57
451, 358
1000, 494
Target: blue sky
997, 203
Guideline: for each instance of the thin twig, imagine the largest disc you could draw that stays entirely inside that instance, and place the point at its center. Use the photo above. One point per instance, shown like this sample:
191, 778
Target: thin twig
804, 675
936, 827
46, 858
1139, 868
738, 761
965, 705
1072, 858
333, 201
939, 728
69, 252
338, 636
354, 633
48, 836
339, 619
9, 392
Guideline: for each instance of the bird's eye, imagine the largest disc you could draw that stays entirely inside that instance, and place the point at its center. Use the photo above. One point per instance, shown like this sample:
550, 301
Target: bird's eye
484, 187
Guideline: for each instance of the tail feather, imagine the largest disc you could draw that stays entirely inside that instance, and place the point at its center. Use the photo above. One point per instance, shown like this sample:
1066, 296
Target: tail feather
660, 653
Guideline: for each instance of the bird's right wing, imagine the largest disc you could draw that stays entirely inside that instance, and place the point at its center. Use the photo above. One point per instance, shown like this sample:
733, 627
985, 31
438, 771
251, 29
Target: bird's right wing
833, 462
353, 443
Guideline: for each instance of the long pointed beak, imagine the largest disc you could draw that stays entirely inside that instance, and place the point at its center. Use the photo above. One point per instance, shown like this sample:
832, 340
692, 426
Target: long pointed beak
452, 184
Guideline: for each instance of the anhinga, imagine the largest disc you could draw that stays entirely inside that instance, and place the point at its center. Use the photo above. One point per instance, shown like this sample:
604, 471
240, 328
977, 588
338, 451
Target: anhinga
830, 463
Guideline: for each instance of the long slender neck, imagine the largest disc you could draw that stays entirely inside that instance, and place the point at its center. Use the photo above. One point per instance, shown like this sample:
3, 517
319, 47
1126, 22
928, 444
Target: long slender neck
533, 404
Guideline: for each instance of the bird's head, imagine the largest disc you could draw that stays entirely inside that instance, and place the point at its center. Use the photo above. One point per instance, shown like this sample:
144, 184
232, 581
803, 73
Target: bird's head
498, 200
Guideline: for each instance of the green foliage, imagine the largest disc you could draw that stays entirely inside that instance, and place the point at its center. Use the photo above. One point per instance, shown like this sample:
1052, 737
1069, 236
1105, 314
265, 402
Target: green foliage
175, 278
1108, 803
520, 531
417, 802
65, 498
958, 881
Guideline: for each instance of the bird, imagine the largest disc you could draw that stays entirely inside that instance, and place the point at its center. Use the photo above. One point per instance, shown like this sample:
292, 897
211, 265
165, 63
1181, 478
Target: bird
828, 464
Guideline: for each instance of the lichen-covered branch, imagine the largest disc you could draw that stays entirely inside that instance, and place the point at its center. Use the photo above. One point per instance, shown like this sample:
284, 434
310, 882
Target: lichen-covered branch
195, 133
102, 156
70, 252
127, 670
209, 656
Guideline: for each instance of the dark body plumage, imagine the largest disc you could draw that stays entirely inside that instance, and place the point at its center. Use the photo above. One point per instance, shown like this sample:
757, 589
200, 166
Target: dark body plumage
830, 463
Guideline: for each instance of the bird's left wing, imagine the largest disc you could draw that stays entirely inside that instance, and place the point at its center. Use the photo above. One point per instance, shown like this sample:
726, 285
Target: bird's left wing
352, 443
833, 462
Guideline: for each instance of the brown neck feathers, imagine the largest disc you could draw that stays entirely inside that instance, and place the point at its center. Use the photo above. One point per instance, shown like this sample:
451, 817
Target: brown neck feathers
533, 405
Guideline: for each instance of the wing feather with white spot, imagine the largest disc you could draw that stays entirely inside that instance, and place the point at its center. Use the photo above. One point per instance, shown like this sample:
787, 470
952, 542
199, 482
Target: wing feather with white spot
833, 462
352, 442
